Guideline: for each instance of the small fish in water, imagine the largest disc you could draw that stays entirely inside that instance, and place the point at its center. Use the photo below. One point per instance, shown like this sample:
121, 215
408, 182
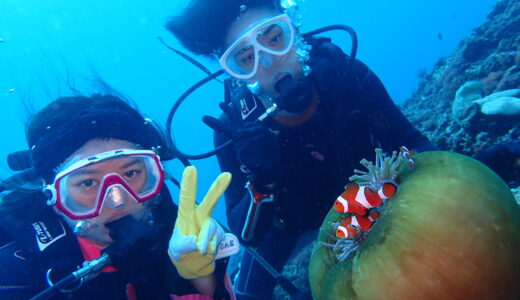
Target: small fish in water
2, 40
359, 199
351, 226
439, 36
11, 90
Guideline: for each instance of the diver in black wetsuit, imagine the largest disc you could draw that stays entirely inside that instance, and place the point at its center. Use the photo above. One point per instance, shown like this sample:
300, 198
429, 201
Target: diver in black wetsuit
103, 195
295, 157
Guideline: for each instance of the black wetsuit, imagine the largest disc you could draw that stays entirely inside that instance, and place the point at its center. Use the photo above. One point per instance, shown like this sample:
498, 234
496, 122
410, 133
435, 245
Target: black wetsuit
46, 243
355, 115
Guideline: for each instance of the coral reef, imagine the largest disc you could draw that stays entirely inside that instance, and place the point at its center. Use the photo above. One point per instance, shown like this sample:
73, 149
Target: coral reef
500, 103
443, 107
297, 271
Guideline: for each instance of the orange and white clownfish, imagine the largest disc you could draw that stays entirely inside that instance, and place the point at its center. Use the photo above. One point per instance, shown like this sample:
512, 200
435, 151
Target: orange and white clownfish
346, 228
357, 199
407, 154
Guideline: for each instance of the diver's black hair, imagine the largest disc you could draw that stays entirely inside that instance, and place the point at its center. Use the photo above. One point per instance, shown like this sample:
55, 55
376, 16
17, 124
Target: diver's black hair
67, 123
201, 27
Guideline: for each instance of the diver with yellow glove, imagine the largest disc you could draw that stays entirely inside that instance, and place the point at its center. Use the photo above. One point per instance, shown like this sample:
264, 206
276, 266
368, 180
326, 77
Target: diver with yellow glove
98, 219
197, 239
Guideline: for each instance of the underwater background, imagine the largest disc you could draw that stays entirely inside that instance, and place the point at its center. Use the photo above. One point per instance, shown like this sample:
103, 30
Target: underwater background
48, 48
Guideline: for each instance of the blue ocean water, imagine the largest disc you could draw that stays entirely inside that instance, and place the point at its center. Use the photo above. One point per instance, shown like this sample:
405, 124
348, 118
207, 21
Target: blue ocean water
48, 46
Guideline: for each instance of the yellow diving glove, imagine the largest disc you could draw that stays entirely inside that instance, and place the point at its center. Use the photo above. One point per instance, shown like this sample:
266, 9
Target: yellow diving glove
196, 235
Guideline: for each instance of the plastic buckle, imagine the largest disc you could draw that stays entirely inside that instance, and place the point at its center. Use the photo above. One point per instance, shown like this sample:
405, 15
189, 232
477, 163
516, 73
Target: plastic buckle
257, 199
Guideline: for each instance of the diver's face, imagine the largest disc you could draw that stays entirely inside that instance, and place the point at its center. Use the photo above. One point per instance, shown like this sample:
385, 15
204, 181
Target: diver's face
277, 66
83, 188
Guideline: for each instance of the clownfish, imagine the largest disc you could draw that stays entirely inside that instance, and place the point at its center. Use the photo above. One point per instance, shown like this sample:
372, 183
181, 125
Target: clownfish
407, 154
347, 229
357, 199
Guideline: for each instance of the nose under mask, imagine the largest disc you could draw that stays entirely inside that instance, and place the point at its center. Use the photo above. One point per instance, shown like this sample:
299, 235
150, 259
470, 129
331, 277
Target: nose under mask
265, 60
116, 197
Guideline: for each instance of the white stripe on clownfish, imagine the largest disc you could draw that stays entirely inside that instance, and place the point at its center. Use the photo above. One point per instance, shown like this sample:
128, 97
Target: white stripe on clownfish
361, 197
354, 221
356, 199
342, 232
346, 230
387, 190
345, 202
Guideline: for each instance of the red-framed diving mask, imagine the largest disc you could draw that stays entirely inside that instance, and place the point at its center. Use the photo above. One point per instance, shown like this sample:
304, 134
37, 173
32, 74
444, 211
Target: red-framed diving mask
106, 180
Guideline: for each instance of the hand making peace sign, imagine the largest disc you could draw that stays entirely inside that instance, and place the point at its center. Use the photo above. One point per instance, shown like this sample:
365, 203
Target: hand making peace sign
196, 236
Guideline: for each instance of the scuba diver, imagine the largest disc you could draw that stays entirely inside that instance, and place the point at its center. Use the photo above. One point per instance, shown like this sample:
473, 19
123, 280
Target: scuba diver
300, 116
101, 197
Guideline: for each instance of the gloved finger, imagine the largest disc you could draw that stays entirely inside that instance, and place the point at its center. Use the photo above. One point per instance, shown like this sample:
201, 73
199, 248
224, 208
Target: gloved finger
217, 238
210, 236
218, 125
186, 213
251, 130
228, 111
207, 232
216, 190
213, 245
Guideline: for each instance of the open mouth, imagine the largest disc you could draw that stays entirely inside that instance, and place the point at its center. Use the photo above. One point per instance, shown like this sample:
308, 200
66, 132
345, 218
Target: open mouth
283, 83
